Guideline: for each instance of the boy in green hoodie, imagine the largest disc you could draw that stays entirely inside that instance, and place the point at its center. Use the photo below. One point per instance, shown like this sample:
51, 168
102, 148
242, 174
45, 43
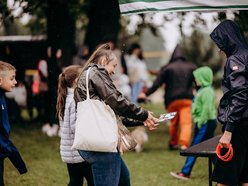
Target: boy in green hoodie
203, 114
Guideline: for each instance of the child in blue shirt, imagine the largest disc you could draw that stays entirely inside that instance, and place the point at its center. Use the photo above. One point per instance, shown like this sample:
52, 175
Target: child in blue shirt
7, 148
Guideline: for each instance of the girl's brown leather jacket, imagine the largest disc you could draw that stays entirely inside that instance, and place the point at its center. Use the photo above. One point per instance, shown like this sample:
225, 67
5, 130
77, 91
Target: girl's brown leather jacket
101, 87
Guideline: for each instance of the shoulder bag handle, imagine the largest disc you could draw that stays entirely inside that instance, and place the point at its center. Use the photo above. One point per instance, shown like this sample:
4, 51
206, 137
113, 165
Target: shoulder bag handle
87, 83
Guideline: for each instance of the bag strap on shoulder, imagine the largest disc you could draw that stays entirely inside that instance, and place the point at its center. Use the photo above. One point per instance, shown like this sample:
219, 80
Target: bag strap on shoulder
87, 83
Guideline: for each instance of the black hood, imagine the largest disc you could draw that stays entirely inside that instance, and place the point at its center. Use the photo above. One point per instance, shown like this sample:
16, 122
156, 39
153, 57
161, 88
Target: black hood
228, 37
178, 53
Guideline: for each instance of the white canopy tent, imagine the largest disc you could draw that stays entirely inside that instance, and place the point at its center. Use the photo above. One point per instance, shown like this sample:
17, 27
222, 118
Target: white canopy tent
128, 7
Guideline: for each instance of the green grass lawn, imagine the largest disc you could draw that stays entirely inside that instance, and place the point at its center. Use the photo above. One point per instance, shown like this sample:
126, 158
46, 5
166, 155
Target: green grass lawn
149, 168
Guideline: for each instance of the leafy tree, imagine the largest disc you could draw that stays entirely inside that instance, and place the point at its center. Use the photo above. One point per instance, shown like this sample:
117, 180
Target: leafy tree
58, 19
61, 17
104, 22
60, 28
203, 52
5, 17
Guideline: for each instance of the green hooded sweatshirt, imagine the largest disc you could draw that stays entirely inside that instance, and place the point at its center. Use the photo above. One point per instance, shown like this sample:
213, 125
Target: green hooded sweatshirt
203, 108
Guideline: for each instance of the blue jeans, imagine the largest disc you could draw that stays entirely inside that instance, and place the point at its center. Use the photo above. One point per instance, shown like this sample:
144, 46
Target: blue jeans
135, 91
108, 168
200, 135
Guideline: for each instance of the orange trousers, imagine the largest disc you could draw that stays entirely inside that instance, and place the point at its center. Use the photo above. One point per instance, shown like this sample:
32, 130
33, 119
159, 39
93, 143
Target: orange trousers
181, 126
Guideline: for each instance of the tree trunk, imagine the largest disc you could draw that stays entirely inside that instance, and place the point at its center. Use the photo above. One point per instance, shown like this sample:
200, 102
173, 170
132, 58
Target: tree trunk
60, 29
103, 22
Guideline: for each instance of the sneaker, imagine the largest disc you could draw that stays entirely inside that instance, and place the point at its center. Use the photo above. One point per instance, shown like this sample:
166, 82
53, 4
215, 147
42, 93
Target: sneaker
173, 147
183, 147
179, 175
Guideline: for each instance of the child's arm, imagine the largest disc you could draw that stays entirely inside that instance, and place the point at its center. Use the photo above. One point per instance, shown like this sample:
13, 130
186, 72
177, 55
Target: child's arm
157, 83
4, 150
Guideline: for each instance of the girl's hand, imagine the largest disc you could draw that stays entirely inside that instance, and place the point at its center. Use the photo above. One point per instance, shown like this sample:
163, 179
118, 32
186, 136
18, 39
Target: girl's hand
151, 122
225, 139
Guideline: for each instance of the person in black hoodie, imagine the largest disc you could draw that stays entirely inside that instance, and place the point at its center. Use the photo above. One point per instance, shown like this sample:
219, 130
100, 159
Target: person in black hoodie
177, 78
233, 107
7, 148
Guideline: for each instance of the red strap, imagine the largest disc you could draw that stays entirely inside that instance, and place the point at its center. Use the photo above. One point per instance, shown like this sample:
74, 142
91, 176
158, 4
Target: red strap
226, 157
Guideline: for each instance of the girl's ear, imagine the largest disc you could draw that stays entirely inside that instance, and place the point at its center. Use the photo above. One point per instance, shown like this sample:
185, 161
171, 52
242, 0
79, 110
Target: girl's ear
103, 61
1, 80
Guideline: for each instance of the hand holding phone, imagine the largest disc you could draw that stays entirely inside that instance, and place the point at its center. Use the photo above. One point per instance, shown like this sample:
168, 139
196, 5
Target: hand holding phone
167, 117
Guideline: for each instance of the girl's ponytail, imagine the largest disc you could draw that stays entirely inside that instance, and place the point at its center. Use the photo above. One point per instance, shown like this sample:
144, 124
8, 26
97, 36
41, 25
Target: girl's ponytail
67, 79
62, 92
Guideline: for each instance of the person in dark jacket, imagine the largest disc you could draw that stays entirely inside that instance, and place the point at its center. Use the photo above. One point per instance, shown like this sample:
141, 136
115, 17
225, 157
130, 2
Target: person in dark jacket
108, 168
7, 148
177, 79
233, 107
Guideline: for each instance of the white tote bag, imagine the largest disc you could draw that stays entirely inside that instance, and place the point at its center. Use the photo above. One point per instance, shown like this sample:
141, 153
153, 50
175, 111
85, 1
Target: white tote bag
96, 125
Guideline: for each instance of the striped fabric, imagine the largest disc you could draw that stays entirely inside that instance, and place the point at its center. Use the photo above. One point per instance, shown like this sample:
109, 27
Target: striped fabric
128, 7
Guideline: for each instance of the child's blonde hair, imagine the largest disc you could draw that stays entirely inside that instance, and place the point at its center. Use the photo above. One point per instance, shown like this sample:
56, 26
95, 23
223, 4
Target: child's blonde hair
5, 67
67, 79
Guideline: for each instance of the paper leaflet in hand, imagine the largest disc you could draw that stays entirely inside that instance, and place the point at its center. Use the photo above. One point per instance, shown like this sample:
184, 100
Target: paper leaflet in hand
166, 117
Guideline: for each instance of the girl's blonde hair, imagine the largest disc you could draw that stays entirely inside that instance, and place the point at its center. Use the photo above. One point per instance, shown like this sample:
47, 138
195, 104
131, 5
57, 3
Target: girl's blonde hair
102, 51
66, 80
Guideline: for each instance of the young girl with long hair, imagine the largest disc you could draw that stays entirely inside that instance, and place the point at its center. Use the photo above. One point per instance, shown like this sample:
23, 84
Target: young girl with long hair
108, 168
78, 169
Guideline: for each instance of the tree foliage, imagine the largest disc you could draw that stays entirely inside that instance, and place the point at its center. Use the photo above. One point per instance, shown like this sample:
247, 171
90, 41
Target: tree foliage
57, 19
203, 52
101, 19
103, 23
